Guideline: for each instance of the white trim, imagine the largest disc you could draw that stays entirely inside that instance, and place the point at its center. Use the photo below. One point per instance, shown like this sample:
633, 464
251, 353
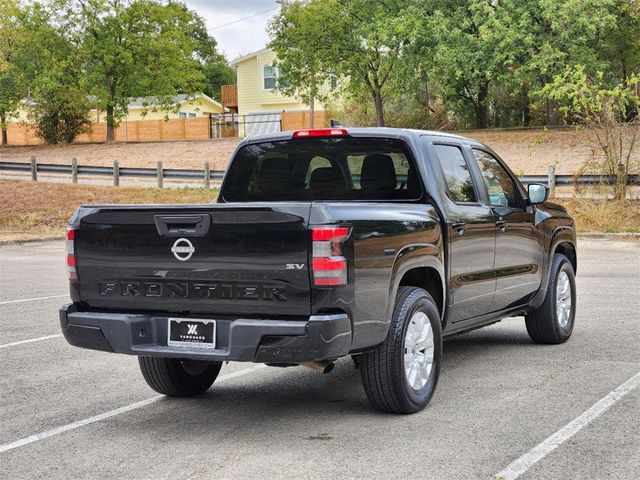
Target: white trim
103, 416
31, 340
238, 60
537, 453
33, 299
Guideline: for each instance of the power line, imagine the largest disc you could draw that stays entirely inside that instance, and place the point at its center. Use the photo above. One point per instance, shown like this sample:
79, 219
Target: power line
243, 19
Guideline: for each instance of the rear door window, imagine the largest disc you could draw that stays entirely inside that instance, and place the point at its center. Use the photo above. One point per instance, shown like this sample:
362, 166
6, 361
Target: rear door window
456, 173
341, 168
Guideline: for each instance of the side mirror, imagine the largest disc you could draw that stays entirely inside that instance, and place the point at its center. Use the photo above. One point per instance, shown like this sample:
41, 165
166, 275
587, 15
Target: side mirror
538, 193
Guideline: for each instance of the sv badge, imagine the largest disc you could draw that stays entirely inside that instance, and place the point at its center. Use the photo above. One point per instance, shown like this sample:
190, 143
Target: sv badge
295, 266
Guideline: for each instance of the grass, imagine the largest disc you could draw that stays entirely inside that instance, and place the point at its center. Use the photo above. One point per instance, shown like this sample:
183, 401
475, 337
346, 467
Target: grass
36, 210
604, 216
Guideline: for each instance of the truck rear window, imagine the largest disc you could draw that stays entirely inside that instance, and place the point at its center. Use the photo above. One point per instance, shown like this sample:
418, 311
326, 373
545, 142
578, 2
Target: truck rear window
345, 168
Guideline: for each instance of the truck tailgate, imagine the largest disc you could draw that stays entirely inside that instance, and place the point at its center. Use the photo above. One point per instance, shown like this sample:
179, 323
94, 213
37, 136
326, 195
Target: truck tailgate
209, 259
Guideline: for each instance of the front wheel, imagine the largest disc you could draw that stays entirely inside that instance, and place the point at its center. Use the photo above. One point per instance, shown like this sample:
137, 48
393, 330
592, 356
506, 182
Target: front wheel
177, 377
553, 321
401, 374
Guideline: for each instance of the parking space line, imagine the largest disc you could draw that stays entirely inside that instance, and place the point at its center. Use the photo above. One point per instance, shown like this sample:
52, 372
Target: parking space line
111, 413
33, 299
537, 453
30, 340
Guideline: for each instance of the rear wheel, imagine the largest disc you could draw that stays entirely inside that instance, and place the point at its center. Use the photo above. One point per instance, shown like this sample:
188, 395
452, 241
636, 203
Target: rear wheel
401, 374
553, 321
178, 377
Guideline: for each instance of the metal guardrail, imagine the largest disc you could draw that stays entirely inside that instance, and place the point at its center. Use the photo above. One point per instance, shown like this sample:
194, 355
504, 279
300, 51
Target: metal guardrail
578, 180
184, 174
108, 171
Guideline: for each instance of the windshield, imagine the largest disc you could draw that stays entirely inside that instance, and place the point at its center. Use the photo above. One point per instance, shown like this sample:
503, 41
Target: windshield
344, 168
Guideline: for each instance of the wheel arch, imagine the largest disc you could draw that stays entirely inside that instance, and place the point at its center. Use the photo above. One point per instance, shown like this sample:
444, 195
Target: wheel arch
422, 268
568, 249
563, 241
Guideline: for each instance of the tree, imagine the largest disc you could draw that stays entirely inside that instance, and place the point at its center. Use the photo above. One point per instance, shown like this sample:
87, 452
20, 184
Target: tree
591, 102
537, 39
217, 73
301, 70
136, 48
11, 89
622, 48
361, 41
463, 57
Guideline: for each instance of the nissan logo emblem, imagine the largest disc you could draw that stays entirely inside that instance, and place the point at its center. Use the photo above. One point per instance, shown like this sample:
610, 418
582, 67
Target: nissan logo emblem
182, 249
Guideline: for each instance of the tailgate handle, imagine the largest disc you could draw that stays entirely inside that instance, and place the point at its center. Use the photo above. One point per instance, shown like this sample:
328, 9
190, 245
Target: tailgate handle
177, 225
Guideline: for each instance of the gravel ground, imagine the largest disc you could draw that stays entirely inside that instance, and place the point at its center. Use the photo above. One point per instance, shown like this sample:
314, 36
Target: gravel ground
499, 396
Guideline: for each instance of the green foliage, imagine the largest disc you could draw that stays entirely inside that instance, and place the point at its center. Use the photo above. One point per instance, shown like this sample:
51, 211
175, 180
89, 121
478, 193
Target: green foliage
590, 101
57, 106
303, 67
60, 113
217, 73
11, 89
481, 62
361, 41
137, 48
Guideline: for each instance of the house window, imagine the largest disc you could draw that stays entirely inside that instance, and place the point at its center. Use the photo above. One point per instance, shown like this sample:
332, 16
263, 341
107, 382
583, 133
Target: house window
182, 115
333, 81
270, 74
186, 115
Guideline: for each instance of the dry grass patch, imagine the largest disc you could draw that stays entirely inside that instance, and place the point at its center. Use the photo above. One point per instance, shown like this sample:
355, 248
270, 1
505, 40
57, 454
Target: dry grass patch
605, 216
34, 210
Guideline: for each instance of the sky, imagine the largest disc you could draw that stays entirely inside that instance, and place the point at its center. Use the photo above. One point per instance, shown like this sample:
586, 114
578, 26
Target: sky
245, 36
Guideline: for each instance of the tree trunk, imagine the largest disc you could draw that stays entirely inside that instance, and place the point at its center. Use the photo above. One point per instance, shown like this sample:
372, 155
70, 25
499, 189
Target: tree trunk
481, 106
552, 113
312, 110
3, 119
110, 124
526, 115
377, 100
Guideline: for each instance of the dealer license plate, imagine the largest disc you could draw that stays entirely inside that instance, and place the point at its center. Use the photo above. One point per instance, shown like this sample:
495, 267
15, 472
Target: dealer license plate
192, 333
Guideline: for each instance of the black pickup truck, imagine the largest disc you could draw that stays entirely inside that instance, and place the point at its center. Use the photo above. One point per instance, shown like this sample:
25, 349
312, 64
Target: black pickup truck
374, 243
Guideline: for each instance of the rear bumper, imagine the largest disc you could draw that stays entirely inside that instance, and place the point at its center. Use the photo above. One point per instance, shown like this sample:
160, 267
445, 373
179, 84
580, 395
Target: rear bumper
318, 337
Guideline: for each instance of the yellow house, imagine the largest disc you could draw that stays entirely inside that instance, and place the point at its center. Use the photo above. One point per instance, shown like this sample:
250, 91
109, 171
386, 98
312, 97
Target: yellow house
256, 79
261, 107
143, 108
185, 106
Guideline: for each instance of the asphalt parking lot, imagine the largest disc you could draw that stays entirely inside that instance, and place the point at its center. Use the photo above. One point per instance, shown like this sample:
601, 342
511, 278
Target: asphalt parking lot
71, 413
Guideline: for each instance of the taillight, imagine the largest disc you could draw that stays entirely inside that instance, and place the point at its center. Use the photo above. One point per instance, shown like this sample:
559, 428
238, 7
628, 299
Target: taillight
71, 256
328, 265
321, 132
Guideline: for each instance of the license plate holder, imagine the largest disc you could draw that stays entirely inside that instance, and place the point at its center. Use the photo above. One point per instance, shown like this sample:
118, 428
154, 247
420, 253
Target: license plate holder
197, 333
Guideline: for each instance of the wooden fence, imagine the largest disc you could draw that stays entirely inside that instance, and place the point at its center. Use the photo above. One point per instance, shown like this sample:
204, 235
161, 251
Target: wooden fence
128, 131
300, 120
176, 129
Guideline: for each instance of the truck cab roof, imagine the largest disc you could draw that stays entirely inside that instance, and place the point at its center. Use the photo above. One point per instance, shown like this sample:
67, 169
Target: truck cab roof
383, 132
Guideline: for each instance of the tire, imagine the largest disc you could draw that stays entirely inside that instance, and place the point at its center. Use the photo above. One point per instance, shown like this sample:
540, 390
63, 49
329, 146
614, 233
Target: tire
178, 377
385, 379
545, 325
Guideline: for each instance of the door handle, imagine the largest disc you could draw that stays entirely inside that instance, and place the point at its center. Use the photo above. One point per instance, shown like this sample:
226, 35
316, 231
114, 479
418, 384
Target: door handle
458, 227
502, 224
179, 225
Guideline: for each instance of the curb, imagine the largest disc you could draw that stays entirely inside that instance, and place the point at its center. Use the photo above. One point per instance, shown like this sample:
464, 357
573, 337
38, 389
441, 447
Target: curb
30, 240
609, 236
